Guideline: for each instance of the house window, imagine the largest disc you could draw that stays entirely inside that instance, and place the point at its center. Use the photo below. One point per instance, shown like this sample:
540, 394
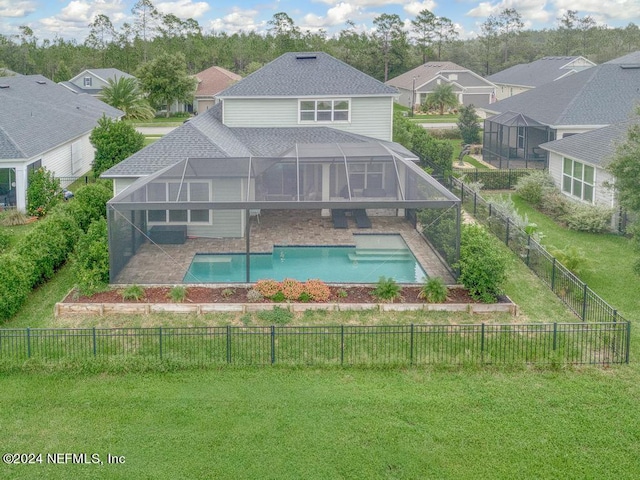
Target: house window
453, 76
364, 176
324, 110
520, 137
178, 192
87, 81
578, 180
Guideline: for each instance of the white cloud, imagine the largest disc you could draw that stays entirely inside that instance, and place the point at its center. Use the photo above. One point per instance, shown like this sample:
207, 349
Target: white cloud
9, 8
337, 15
414, 8
184, 8
366, 3
238, 20
600, 10
531, 11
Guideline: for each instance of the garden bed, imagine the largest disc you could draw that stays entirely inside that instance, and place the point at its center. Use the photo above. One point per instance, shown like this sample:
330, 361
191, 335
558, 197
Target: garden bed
216, 299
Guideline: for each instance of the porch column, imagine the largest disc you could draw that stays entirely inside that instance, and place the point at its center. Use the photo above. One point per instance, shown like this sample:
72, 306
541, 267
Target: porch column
247, 234
326, 186
21, 188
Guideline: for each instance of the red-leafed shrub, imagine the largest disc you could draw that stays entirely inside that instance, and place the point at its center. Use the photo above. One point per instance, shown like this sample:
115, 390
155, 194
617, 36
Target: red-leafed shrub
317, 290
268, 288
291, 289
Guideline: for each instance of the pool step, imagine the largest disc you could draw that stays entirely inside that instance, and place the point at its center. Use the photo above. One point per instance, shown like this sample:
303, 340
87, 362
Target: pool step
380, 255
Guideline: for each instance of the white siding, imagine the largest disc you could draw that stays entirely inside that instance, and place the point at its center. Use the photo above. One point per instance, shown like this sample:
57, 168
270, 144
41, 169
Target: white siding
370, 116
227, 223
119, 184
58, 160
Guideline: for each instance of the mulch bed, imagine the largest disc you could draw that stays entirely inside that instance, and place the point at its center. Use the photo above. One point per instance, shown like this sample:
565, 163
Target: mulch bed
354, 294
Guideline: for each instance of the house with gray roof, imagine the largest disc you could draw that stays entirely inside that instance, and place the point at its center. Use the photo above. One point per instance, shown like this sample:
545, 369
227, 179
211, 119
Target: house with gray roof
527, 76
91, 81
302, 143
587, 100
43, 124
416, 84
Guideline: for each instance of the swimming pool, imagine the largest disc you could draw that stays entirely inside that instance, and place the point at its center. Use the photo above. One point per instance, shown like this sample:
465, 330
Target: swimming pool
371, 257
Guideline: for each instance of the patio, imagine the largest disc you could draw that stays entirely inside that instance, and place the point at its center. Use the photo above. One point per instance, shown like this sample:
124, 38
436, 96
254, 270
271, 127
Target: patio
167, 264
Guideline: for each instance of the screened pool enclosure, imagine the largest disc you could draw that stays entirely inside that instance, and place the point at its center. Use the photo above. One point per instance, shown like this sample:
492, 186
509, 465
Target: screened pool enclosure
320, 195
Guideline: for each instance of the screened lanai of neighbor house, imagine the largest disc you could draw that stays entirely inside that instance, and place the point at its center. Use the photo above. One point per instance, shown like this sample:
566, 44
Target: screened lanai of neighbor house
511, 140
219, 211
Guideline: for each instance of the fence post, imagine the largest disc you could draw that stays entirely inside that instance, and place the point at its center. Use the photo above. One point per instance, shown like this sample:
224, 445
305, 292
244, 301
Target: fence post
160, 340
411, 346
553, 276
341, 344
28, 342
94, 342
490, 208
475, 203
509, 181
228, 343
273, 344
584, 303
482, 343
506, 240
555, 335
628, 346
528, 249
462, 193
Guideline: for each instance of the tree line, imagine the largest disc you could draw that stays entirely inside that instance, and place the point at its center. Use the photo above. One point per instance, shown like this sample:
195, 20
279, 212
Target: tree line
384, 53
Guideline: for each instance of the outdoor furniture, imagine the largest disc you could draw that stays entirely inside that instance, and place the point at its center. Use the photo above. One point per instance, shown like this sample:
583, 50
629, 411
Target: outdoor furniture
168, 234
362, 220
339, 218
538, 152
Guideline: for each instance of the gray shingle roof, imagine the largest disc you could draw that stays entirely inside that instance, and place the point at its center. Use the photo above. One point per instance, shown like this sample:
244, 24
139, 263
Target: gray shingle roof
600, 95
205, 136
307, 74
596, 147
428, 71
533, 74
105, 73
37, 115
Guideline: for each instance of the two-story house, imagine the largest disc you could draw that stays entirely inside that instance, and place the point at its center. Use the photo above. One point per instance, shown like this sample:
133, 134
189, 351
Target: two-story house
92, 80
306, 133
43, 124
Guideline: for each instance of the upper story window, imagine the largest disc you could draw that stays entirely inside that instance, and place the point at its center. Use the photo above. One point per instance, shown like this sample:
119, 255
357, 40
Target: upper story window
578, 179
87, 81
324, 110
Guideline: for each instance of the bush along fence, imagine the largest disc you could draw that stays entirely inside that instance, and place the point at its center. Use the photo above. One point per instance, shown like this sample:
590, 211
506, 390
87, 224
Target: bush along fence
504, 179
583, 301
550, 344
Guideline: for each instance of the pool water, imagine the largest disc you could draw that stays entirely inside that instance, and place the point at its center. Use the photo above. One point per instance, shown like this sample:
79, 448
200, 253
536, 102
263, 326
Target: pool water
371, 257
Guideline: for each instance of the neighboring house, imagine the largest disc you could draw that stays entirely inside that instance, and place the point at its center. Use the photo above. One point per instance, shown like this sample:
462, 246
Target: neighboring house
416, 84
527, 76
212, 81
43, 124
593, 98
305, 132
578, 163
92, 81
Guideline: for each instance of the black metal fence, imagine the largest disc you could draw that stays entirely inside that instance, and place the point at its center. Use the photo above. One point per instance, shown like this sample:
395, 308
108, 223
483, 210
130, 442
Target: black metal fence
575, 293
66, 181
548, 343
493, 179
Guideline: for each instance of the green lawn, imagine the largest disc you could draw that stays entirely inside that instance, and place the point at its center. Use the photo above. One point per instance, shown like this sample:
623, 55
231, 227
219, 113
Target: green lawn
159, 122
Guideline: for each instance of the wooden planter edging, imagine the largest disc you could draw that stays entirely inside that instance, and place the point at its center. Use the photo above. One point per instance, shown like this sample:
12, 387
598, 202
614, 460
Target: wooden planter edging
200, 308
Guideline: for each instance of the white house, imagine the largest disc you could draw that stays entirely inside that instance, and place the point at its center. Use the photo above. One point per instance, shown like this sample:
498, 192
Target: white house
43, 124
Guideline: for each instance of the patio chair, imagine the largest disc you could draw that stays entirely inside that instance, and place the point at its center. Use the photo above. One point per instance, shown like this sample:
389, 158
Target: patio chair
362, 220
339, 218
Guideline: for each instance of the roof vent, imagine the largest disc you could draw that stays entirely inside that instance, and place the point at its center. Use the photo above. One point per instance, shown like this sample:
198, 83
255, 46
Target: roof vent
4, 86
630, 66
41, 82
306, 56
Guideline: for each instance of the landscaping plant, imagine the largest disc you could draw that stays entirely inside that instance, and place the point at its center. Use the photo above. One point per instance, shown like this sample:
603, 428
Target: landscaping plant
178, 293
434, 290
133, 292
43, 192
387, 289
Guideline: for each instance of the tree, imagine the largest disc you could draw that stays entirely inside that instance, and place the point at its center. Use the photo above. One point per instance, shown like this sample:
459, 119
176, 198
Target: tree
442, 97
114, 141
625, 167
102, 33
444, 33
125, 95
146, 21
43, 192
388, 31
424, 26
489, 41
284, 31
468, 125
165, 80
509, 25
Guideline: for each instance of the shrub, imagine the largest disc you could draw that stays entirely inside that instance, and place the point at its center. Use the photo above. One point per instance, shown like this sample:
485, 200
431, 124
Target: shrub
434, 290
133, 292
469, 125
572, 257
317, 290
535, 186
14, 284
387, 289
91, 259
90, 203
277, 316
178, 293
482, 264
43, 192
291, 288
588, 218
13, 218
556, 205
267, 288
114, 141
254, 295
5, 241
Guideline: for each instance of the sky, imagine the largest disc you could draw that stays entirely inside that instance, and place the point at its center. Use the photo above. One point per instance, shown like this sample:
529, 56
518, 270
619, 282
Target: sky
70, 19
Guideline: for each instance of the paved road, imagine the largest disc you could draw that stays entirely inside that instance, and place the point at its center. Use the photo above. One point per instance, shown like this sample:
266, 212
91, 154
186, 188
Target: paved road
155, 130
438, 125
